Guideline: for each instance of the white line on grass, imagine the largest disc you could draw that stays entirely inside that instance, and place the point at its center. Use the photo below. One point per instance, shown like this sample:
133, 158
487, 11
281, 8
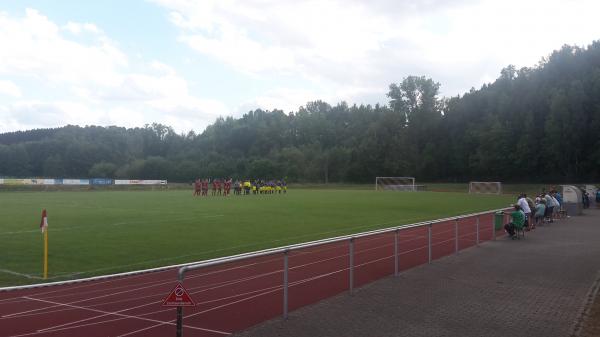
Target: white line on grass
32, 277
207, 252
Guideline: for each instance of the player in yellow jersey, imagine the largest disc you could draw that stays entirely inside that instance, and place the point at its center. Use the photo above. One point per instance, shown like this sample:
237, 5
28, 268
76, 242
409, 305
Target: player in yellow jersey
247, 186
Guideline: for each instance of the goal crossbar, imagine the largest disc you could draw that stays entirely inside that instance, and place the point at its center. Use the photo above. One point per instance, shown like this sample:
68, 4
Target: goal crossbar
485, 187
395, 183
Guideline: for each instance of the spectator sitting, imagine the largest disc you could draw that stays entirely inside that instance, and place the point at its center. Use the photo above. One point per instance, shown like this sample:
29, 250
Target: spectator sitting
540, 211
518, 220
524, 206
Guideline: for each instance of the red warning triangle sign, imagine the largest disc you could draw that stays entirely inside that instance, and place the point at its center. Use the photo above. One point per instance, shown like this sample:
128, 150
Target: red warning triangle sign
179, 297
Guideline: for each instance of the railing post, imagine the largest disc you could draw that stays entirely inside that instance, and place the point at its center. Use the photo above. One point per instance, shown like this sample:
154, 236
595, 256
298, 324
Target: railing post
429, 241
455, 236
396, 252
494, 227
179, 321
285, 284
477, 230
351, 269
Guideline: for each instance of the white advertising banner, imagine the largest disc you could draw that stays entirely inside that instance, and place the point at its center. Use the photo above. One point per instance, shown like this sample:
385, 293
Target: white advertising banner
140, 182
76, 182
1, 181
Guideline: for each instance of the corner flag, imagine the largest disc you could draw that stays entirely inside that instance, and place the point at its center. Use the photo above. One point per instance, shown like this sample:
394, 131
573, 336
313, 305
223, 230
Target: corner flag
44, 222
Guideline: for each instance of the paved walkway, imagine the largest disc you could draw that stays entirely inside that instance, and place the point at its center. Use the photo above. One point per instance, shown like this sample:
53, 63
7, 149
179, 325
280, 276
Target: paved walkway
531, 287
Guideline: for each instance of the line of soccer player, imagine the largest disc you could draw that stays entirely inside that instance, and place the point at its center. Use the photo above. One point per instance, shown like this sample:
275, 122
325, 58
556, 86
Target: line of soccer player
223, 187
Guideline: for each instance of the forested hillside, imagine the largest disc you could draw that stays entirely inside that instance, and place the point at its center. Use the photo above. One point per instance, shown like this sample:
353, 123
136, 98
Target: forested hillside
531, 124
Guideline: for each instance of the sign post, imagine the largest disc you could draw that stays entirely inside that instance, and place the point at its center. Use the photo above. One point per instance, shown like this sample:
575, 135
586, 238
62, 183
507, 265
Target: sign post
179, 297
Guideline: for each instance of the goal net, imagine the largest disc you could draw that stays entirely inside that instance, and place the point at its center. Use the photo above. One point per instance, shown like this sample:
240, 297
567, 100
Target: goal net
485, 187
395, 184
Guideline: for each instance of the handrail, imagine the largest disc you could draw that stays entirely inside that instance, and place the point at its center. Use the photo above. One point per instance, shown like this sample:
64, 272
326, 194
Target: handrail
350, 238
287, 249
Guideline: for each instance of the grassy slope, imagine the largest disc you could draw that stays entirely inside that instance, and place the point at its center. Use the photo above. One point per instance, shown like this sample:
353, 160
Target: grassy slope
105, 232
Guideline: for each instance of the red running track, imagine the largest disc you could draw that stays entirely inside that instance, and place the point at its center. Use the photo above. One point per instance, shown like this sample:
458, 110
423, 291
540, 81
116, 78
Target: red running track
230, 297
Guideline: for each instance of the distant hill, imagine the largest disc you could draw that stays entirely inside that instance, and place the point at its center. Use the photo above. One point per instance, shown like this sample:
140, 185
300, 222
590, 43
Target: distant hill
530, 124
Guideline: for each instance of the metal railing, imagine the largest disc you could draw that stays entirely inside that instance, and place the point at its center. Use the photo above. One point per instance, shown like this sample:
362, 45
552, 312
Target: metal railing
285, 252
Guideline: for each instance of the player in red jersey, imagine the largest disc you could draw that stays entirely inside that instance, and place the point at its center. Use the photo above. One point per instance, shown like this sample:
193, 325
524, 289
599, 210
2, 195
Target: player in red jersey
197, 187
205, 187
214, 187
219, 186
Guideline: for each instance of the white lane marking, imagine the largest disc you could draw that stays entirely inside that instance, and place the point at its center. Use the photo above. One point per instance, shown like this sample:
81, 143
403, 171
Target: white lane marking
260, 292
111, 313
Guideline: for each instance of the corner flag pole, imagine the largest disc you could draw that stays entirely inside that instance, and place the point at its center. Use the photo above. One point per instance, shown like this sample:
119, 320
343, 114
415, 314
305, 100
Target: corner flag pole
44, 227
45, 254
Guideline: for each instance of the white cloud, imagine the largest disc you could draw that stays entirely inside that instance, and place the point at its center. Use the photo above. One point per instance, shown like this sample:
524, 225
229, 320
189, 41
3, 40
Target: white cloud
345, 44
39, 50
289, 100
9, 88
90, 81
77, 28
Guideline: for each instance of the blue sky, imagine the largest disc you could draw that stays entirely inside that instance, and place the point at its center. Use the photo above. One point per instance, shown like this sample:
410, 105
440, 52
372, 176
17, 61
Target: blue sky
184, 63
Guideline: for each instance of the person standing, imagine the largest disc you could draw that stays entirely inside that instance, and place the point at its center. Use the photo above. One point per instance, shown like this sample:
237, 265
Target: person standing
586, 199
549, 207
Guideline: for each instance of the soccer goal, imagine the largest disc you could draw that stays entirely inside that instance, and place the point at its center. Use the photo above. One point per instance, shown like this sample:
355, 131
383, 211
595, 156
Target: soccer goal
485, 187
395, 184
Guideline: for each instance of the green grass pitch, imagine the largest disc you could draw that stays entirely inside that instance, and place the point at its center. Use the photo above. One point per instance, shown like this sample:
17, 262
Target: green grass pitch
104, 232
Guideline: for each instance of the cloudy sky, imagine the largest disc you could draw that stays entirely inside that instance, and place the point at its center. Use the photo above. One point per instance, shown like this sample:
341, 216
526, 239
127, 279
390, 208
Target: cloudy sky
185, 62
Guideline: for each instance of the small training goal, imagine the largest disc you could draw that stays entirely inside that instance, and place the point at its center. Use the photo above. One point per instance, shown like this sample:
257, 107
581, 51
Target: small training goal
485, 187
396, 184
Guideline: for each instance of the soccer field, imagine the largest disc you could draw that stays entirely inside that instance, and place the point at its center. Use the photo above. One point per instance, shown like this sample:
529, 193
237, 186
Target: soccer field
105, 232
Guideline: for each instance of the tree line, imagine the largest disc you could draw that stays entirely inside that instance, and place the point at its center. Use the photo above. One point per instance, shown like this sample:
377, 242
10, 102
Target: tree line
530, 125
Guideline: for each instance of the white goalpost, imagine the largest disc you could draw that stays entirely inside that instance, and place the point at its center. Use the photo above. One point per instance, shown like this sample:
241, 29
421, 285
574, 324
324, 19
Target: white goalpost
395, 184
485, 187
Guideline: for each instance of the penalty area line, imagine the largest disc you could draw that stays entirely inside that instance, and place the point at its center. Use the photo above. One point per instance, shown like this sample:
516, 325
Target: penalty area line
11, 272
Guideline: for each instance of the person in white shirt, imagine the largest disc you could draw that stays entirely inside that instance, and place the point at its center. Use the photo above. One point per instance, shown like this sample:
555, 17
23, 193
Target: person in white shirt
524, 205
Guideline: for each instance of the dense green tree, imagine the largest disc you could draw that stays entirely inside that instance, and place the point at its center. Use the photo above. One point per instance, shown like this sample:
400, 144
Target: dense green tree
530, 124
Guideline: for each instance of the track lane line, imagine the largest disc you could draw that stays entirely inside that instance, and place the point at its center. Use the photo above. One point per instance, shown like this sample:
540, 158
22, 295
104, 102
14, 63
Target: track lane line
111, 313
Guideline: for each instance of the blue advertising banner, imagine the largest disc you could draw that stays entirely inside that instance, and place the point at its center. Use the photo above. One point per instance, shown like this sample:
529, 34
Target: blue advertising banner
101, 181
